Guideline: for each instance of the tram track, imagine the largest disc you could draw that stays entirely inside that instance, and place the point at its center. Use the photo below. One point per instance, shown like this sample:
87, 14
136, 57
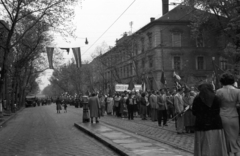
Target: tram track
149, 125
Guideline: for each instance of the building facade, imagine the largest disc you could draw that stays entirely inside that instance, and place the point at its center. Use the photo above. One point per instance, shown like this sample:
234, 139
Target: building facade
163, 46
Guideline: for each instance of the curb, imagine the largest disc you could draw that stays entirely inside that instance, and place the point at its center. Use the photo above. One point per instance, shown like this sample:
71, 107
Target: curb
161, 141
10, 117
107, 143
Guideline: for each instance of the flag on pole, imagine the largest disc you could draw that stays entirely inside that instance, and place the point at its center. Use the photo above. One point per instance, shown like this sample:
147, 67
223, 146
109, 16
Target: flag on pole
163, 80
77, 55
131, 85
176, 75
67, 49
50, 56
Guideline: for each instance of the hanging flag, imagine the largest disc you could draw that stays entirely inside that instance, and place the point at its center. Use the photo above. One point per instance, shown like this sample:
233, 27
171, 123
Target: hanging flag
77, 55
176, 75
163, 80
131, 85
67, 49
50, 56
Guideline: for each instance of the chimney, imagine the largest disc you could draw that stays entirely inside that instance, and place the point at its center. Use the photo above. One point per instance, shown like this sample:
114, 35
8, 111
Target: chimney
152, 19
165, 6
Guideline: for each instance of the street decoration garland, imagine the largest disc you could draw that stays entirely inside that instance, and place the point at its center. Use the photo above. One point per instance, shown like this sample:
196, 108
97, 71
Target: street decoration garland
76, 52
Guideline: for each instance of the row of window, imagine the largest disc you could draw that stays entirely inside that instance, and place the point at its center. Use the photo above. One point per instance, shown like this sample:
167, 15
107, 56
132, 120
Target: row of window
200, 63
177, 64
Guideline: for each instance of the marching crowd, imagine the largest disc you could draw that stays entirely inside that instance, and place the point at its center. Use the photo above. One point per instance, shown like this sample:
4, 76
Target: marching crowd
211, 115
157, 106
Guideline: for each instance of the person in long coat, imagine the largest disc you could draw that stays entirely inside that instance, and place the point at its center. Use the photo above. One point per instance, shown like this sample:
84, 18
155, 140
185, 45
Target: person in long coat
179, 107
153, 103
162, 108
94, 107
230, 96
102, 104
189, 118
209, 134
110, 103
58, 105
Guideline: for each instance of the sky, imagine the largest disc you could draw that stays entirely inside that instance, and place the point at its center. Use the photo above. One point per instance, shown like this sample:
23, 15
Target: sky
105, 21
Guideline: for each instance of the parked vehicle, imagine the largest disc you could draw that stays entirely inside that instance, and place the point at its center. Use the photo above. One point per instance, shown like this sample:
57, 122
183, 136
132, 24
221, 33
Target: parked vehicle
30, 101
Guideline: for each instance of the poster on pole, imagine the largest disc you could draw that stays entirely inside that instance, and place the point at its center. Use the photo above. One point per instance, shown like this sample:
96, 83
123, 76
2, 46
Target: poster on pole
121, 87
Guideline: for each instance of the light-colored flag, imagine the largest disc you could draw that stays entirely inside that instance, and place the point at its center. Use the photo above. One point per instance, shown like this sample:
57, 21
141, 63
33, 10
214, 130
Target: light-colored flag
176, 75
77, 55
50, 56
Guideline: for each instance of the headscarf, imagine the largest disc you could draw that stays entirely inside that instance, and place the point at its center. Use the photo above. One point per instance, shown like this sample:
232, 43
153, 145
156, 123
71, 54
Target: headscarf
206, 94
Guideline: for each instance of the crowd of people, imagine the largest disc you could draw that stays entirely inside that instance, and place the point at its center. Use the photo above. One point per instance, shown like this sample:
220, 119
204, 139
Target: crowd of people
159, 106
211, 115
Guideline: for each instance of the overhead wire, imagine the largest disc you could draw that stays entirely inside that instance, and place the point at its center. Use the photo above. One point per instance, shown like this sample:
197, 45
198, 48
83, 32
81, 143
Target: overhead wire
108, 28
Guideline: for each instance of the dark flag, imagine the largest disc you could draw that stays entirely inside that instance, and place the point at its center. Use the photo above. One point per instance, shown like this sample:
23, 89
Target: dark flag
131, 85
163, 80
67, 49
50, 56
77, 55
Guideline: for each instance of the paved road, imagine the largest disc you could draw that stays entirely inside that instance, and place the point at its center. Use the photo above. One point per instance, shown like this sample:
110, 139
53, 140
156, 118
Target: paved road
40, 131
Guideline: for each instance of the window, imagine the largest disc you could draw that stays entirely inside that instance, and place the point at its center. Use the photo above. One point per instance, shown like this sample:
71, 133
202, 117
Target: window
127, 70
150, 83
199, 41
150, 61
223, 63
142, 44
149, 34
176, 39
176, 63
143, 63
200, 63
131, 69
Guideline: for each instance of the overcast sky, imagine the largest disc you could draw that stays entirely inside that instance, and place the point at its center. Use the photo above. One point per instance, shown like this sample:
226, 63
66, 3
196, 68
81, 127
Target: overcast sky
106, 20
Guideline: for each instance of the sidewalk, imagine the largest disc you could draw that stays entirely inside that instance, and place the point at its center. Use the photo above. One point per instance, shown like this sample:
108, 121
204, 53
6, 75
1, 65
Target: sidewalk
151, 130
6, 117
126, 143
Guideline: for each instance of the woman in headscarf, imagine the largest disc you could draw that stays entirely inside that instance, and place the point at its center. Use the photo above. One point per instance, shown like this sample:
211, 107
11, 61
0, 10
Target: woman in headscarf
229, 97
209, 135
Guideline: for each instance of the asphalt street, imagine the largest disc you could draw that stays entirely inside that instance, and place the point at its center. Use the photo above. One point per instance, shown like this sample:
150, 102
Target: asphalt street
40, 131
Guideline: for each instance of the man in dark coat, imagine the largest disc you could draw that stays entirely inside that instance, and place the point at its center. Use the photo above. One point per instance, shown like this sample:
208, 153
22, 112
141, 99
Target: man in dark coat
58, 104
94, 107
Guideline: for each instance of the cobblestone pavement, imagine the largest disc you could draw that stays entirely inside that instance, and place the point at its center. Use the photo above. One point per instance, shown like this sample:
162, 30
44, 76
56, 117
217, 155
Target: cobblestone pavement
40, 131
151, 130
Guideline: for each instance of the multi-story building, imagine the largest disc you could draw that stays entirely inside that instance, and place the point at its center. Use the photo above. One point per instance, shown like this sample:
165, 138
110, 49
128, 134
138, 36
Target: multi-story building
165, 45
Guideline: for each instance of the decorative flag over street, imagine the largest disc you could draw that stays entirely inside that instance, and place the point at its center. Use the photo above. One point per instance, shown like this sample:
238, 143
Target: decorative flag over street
50, 56
77, 54
67, 49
